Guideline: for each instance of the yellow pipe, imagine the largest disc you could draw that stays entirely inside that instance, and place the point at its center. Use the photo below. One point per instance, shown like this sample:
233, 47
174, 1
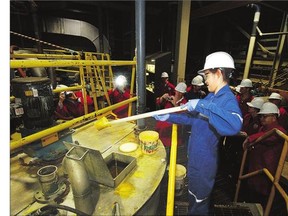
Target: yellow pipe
65, 63
132, 89
172, 173
72, 88
29, 55
66, 70
28, 139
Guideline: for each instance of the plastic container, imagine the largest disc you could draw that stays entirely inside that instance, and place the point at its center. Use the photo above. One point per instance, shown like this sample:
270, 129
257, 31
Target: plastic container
149, 141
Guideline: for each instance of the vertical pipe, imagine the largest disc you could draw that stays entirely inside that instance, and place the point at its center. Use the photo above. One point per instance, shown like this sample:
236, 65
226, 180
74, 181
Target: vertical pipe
140, 58
172, 172
36, 26
48, 179
252, 40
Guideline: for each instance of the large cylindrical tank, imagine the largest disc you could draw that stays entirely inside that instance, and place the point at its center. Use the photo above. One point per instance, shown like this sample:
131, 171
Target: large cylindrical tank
36, 96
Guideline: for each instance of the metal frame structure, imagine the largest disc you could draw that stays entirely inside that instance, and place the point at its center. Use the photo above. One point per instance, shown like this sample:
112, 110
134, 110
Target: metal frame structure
274, 179
98, 72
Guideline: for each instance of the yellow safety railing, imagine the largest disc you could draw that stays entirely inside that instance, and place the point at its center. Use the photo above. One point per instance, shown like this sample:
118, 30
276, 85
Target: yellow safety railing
44, 133
172, 173
274, 179
88, 69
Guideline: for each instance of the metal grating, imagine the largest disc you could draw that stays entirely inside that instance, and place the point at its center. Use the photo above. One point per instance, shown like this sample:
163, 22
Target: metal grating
238, 209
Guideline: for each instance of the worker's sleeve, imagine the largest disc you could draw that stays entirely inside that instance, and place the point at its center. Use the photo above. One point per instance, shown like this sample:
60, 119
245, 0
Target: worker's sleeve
226, 119
184, 118
171, 85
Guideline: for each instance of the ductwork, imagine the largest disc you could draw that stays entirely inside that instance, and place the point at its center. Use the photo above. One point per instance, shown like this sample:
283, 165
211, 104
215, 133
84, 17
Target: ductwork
76, 28
80, 184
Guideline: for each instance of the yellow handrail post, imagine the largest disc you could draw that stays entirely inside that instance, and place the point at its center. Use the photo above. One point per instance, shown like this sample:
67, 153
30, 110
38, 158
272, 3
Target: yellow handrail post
172, 171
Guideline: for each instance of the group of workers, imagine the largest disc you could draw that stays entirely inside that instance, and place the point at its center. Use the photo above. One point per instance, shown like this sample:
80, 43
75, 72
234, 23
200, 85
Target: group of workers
222, 112
71, 104
214, 111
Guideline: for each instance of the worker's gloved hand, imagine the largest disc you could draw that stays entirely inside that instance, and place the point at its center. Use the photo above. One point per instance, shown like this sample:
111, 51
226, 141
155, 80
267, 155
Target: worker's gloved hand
191, 104
163, 117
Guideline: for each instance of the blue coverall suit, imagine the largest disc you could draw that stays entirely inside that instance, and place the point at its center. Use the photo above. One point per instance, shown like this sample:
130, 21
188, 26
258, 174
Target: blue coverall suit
214, 116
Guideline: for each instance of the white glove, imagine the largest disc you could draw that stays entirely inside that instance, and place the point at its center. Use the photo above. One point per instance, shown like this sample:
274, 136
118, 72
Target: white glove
191, 104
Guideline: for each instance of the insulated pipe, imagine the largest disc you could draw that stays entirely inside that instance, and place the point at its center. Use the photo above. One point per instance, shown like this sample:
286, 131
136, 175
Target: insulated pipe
79, 179
252, 40
140, 58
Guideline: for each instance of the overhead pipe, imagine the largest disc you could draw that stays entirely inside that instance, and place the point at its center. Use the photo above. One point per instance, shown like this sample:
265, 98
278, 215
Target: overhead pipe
140, 60
252, 40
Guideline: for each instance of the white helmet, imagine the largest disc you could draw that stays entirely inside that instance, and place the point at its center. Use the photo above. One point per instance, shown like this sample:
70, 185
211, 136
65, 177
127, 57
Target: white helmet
269, 108
246, 83
274, 96
237, 88
198, 81
218, 60
164, 75
181, 87
257, 102
61, 86
120, 81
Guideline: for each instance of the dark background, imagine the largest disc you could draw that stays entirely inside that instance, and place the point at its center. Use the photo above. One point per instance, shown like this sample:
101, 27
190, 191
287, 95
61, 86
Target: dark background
214, 25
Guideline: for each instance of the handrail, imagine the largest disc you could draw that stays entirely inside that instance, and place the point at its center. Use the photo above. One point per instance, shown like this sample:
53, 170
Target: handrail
274, 179
36, 136
90, 65
66, 63
172, 172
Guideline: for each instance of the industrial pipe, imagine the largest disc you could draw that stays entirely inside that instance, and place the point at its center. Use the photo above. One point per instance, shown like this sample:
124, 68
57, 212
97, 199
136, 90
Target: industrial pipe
140, 57
28, 139
48, 179
252, 40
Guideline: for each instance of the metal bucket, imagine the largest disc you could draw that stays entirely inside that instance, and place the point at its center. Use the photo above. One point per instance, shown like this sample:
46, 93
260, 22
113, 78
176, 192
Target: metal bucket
179, 179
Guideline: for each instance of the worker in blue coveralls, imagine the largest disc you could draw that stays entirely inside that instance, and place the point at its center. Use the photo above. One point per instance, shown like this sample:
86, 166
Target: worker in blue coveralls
218, 114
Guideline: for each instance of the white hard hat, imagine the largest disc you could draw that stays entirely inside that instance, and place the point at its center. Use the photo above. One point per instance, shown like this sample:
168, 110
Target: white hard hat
237, 88
275, 96
257, 102
164, 75
218, 60
121, 81
269, 108
181, 87
198, 81
61, 86
246, 83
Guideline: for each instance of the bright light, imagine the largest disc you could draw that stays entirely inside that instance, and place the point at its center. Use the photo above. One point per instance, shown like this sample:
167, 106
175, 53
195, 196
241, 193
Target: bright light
120, 81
